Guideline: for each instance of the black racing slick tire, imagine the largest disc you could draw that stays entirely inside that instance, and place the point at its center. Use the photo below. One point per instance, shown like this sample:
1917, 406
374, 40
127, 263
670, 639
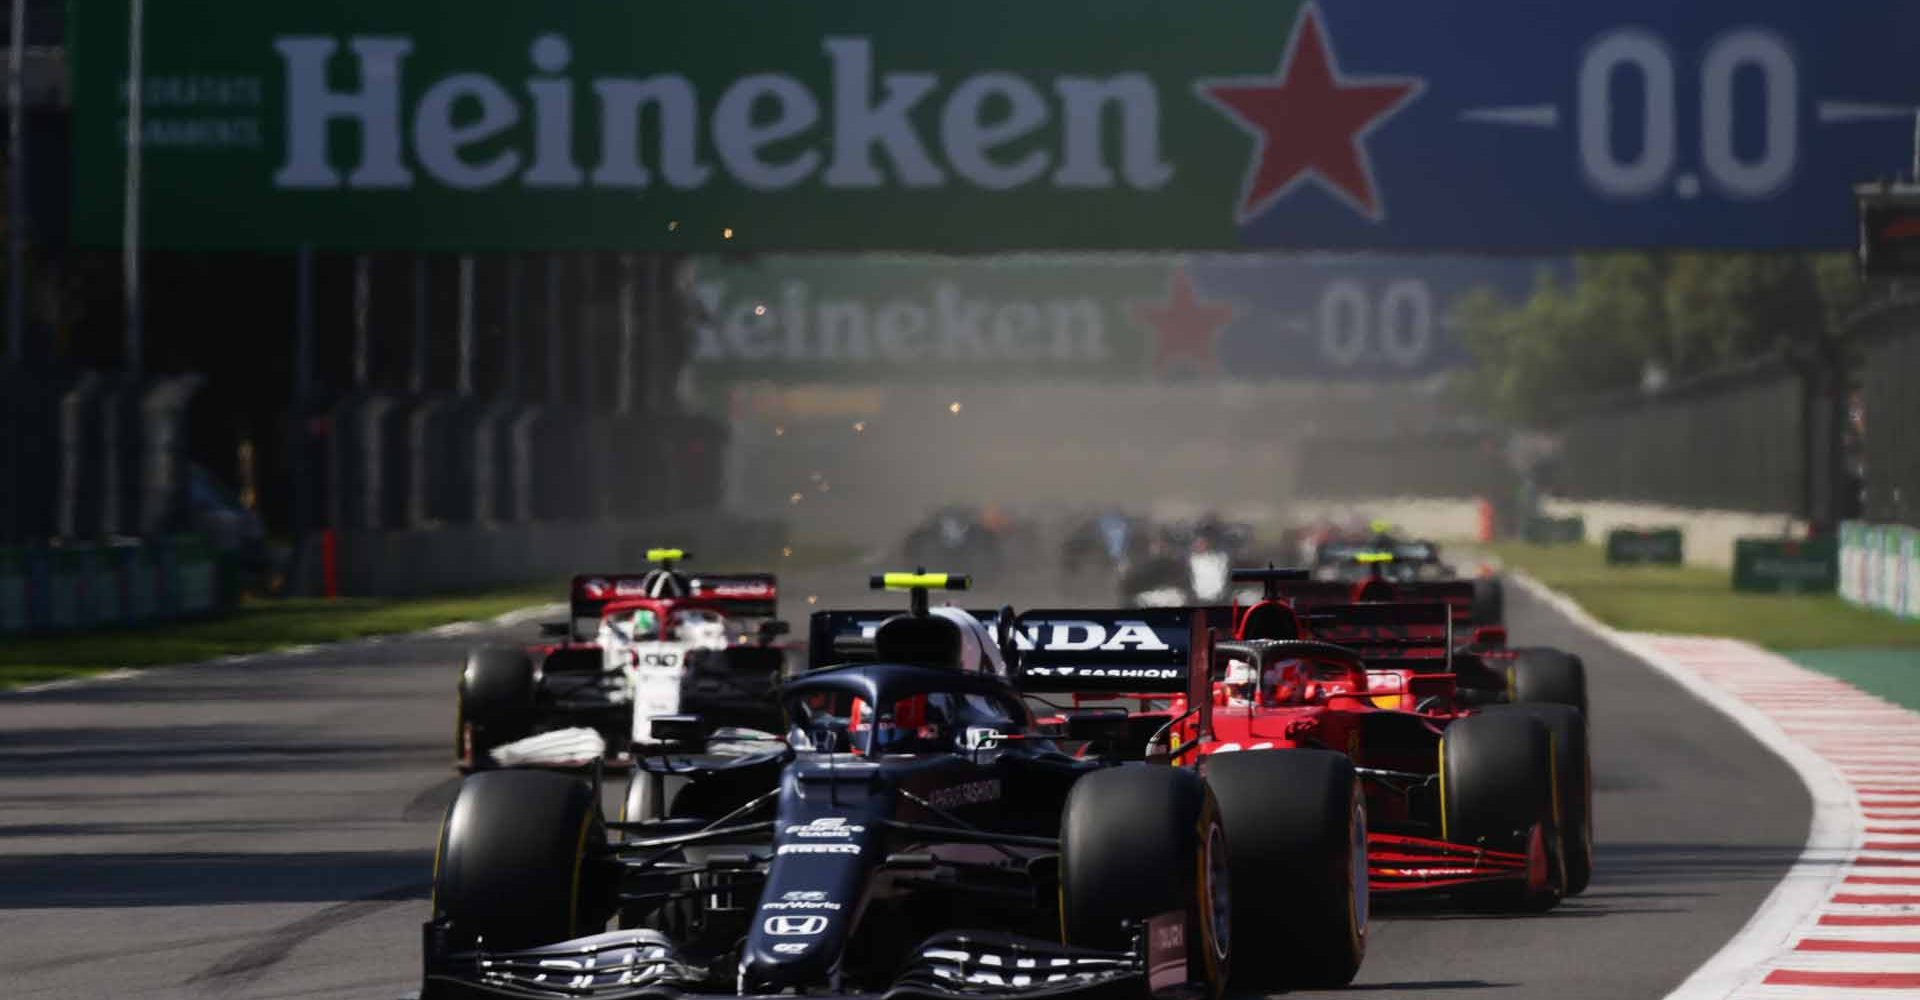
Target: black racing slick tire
1138, 842
1489, 601
517, 859
494, 704
1573, 773
1542, 675
1297, 832
1498, 789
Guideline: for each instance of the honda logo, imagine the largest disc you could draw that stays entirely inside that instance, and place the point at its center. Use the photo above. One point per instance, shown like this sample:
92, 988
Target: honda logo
795, 926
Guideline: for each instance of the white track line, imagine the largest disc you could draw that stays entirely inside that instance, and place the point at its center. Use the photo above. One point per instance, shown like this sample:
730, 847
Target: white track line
1834, 836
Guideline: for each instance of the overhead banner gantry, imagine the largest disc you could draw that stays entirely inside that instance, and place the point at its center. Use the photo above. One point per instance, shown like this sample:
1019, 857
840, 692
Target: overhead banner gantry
995, 125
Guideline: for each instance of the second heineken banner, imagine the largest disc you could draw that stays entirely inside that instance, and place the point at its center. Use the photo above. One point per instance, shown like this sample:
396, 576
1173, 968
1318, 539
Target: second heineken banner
992, 125
1094, 316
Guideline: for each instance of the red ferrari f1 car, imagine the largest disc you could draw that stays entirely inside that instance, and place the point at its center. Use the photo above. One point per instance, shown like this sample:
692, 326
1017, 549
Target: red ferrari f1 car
1491, 803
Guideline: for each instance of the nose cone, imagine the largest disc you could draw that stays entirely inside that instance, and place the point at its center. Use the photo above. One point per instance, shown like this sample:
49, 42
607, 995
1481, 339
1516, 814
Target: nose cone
814, 886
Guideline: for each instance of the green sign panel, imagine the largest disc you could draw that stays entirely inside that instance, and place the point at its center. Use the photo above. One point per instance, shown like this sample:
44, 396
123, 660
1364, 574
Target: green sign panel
1659, 546
1543, 530
842, 124
1783, 565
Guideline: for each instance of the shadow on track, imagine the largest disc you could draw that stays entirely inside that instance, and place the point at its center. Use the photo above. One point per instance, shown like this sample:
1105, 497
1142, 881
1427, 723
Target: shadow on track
1616, 863
80, 881
135, 750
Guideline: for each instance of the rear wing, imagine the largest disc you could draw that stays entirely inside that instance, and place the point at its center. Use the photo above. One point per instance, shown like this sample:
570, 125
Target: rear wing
1111, 651
737, 595
1419, 636
1308, 595
743, 595
836, 637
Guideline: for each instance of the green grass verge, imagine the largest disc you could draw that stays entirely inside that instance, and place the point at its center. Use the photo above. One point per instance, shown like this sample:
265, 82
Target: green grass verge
1893, 674
1698, 601
259, 625
265, 624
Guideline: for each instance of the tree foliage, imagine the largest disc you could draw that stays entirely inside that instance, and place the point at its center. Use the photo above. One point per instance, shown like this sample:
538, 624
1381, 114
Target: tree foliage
1627, 319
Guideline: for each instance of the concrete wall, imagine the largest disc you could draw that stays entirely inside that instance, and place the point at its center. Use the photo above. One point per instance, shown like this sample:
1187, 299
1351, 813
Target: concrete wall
1448, 520
1709, 533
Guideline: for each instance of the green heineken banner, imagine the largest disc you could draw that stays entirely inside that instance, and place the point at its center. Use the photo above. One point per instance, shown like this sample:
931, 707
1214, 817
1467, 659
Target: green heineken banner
991, 125
1088, 316
999, 318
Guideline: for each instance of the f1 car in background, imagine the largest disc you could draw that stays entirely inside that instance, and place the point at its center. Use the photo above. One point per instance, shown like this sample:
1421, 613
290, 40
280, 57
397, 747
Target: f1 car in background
1493, 803
915, 834
1108, 544
970, 539
1488, 670
1383, 555
633, 647
1187, 563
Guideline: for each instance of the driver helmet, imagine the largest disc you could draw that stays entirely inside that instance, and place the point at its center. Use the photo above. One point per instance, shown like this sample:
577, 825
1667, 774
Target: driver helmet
914, 720
637, 625
1284, 682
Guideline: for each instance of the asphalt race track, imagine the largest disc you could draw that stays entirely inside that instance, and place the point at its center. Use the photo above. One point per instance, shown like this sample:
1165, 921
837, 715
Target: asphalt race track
265, 829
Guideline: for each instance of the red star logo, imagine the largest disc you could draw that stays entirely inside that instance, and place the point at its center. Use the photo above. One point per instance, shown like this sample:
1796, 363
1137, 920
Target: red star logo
1183, 326
1310, 121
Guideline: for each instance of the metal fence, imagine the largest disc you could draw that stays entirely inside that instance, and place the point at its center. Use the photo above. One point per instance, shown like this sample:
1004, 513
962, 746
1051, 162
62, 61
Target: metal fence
1732, 442
1888, 408
1458, 465
397, 462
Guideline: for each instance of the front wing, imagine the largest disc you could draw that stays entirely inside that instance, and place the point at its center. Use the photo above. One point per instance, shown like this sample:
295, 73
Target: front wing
1399, 864
640, 965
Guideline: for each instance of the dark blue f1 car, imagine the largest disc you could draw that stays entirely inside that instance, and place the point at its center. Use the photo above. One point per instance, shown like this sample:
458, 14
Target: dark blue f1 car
914, 835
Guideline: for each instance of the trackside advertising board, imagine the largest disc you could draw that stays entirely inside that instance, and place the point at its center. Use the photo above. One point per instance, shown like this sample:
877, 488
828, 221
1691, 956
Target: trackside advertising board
1089, 316
1880, 567
994, 125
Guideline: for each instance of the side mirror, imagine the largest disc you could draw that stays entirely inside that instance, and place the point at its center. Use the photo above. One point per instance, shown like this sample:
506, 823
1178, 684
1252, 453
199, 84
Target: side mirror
679, 732
771, 630
553, 630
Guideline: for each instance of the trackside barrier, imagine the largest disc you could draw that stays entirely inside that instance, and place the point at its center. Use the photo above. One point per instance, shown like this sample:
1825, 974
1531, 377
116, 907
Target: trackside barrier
1880, 567
75, 587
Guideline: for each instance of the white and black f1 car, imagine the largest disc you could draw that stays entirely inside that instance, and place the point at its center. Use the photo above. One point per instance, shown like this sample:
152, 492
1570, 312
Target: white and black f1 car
634, 647
913, 835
